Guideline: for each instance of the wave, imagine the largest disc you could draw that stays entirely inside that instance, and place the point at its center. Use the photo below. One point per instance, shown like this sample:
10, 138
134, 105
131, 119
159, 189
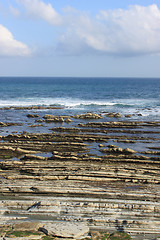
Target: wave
65, 102
79, 103
136, 107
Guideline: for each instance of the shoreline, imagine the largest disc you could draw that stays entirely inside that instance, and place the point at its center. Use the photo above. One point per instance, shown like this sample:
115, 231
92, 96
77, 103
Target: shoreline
104, 174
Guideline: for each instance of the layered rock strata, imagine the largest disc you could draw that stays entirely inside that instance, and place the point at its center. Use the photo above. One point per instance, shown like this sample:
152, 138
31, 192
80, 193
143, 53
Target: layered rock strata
77, 174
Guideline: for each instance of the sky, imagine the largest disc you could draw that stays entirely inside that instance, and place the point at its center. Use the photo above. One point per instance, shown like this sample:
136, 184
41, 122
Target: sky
80, 38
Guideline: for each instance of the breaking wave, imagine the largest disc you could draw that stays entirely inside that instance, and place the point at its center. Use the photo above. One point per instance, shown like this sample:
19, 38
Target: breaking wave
77, 103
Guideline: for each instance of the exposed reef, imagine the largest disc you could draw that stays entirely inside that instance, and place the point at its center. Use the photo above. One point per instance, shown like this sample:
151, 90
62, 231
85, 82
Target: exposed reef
102, 174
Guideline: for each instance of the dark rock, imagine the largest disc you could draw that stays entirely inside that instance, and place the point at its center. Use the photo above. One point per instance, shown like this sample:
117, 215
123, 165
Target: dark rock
32, 115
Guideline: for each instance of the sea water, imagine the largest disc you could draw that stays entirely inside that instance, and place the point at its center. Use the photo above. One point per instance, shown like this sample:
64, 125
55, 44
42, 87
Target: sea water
138, 96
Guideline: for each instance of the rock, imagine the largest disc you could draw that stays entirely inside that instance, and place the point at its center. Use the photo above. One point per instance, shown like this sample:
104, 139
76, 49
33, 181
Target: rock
2, 124
88, 116
56, 119
65, 229
68, 120
128, 151
114, 115
117, 115
7, 148
34, 157
101, 145
110, 115
120, 236
27, 226
117, 150
24, 151
95, 235
39, 120
48, 116
8, 124
128, 115
32, 115
36, 125
112, 146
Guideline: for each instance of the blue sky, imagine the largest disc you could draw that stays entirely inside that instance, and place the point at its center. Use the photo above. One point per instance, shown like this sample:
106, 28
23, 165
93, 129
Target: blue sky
99, 38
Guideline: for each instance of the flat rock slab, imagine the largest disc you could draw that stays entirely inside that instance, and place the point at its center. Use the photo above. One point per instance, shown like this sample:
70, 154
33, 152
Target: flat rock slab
65, 229
27, 226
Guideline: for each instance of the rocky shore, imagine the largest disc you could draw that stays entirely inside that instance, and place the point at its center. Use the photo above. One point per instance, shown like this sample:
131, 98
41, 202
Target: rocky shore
94, 173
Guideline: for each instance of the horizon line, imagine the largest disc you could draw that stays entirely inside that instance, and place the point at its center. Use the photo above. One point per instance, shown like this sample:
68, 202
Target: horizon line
76, 77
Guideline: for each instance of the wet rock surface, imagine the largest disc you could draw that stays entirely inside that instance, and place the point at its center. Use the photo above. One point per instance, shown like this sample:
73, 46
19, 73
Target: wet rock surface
92, 173
88, 116
114, 115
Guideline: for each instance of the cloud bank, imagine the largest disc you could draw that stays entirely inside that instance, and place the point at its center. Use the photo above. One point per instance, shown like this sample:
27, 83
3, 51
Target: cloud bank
119, 32
135, 31
10, 46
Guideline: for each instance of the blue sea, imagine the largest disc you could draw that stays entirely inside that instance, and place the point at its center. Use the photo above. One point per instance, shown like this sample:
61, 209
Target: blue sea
137, 96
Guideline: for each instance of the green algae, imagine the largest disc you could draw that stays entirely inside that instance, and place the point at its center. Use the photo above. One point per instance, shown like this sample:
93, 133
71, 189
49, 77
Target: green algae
119, 236
21, 233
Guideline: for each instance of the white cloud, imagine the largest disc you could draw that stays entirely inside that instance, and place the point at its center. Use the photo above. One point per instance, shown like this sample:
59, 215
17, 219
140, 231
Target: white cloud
40, 10
14, 11
11, 47
128, 32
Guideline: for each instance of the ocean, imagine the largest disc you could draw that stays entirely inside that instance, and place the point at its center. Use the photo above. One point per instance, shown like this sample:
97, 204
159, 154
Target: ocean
137, 96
